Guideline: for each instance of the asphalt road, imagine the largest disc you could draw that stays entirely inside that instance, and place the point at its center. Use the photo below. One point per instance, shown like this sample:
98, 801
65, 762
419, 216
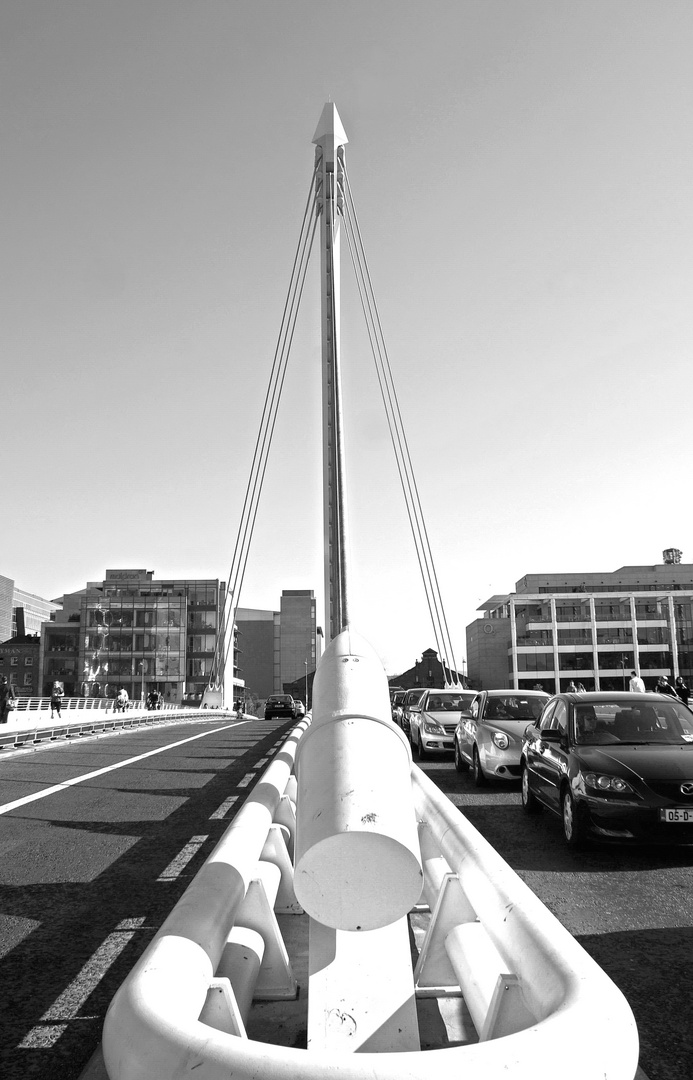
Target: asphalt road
89, 872
631, 908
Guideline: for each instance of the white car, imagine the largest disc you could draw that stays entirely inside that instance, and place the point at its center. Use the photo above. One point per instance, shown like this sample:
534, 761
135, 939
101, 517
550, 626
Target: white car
489, 739
433, 721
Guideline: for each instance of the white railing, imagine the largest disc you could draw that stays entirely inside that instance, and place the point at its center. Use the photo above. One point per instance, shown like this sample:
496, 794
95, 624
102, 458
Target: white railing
41, 704
530, 988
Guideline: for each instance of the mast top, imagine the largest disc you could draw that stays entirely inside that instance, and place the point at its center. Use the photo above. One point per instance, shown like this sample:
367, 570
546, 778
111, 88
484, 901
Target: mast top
330, 133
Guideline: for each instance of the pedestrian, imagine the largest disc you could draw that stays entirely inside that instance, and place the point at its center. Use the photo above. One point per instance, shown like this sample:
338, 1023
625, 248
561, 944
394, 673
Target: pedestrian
8, 699
664, 687
537, 686
682, 690
581, 688
122, 700
571, 688
636, 685
56, 698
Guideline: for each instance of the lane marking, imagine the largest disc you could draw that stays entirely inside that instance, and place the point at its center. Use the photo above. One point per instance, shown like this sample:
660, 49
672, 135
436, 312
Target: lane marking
109, 768
260, 763
246, 779
68, 1004
177, 865
222, 810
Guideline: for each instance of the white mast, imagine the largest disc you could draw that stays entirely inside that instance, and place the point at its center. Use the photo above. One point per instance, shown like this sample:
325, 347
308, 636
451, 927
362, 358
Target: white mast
330, 140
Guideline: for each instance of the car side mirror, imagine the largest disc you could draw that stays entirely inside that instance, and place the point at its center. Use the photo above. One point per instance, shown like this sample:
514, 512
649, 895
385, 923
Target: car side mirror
551, 736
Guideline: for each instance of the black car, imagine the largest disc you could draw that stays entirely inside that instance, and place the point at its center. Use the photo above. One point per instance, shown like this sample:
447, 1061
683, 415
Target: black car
279, 705
613, 766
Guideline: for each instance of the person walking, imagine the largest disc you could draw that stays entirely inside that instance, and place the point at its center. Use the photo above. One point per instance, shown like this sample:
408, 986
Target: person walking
664, 687
8, 698
682, 690
636, 685
571, 688
56, 698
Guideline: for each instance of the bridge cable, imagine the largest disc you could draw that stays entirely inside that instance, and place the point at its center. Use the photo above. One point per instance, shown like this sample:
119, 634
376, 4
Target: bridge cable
399, 440
264, 437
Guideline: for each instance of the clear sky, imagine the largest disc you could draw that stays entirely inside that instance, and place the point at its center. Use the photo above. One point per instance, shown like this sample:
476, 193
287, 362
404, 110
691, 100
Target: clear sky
522, 172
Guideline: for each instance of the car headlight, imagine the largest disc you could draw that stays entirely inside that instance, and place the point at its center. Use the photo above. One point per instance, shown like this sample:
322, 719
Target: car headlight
501, 740
432, 727
602, 782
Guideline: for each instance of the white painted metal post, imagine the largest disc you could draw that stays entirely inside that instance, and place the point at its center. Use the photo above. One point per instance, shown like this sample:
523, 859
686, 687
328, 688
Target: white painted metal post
357, 865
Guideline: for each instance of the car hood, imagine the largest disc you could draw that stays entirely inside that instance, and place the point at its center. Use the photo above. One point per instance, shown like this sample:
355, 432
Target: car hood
656, 762
510, 727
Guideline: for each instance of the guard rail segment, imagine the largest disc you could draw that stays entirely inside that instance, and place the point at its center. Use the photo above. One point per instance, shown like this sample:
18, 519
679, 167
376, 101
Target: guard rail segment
153, 1026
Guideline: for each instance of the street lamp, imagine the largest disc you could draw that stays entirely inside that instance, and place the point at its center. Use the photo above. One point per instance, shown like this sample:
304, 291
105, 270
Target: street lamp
142, 666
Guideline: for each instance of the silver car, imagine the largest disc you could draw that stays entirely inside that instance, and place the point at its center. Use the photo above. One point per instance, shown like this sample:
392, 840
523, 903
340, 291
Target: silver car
489, 739
433, 721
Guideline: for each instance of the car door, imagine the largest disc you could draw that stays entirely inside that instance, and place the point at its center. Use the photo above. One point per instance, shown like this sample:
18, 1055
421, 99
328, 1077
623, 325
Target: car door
552, 760
468, 725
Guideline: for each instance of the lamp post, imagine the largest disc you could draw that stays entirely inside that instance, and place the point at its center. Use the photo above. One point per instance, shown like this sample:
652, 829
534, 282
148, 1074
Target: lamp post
142, 663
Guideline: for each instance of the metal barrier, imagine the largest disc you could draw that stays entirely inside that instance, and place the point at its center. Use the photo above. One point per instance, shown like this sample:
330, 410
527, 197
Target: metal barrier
12, 736
530, 988
40, 704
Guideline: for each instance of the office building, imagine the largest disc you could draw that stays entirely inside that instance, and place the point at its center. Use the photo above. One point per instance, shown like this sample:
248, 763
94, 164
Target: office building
132, 631
589, 628
19, 661
21, 612
276, 648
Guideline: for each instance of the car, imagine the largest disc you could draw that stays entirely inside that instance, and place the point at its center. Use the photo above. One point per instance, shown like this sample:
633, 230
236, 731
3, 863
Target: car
299, 708
433, 721
614, 766
279, 705
397, 703
411, 700
489, 738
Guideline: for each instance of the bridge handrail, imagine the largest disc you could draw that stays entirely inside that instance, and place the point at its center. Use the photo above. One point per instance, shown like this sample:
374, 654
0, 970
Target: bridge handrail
39, 704
153, 1029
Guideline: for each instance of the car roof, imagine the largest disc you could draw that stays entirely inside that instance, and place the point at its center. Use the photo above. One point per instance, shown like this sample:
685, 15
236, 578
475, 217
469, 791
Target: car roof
522, 693
595, 696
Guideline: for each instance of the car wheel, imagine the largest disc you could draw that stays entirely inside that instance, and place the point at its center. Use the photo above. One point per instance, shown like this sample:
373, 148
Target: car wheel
477, 772
574, 823
530, 803
460, 763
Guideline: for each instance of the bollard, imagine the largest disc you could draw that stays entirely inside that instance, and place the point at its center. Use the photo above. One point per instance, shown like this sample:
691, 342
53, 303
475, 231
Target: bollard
357, 864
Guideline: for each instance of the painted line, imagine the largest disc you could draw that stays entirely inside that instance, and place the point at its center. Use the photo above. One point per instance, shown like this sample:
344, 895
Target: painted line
246, 779
177, 865
109, 768
260, 763
222, 810
67, 1005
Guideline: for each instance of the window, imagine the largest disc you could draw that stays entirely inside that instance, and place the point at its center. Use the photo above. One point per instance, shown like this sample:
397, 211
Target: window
27, 679
28, 662
14, 660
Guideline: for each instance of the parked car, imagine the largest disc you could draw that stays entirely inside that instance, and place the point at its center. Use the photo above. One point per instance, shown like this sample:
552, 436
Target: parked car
433, 721
411, 700
279, 705
397, 703
613, 766
299, 708
489, 739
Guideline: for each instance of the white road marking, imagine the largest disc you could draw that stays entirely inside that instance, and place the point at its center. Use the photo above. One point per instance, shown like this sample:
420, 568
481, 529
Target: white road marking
177, 865
246, 779
260, 763
109, 768
222, 810
67, 1005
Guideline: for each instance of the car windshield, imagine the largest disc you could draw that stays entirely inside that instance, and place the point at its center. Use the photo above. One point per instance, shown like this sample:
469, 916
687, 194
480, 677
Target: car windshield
281, 699
518, 707
449, 701
611, 722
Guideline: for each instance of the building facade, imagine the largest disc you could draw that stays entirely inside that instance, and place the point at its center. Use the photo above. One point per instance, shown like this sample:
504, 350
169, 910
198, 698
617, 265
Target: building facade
592, 629
21, 612
134, 632
428, 671
277, 647
19, 661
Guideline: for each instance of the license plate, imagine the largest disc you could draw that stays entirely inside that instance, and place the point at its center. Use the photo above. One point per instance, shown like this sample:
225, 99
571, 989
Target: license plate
677, 815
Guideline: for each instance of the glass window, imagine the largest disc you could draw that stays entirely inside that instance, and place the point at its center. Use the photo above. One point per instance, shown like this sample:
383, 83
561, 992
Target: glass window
614, 635
27, 679
14, 660
201, 642
535, 661
144, 617
28, 662
547, 718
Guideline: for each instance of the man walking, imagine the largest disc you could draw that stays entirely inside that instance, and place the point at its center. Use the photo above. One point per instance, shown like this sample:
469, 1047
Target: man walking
636, 685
